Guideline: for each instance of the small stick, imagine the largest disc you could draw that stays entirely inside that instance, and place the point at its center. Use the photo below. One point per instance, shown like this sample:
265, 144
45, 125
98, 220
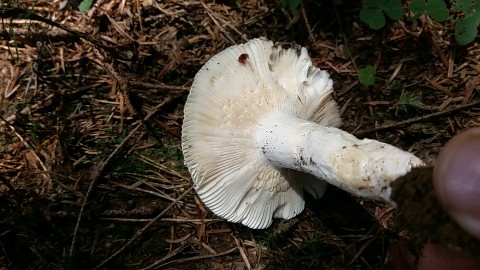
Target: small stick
18, 13
201, 257
157, 86
142, 230
416, 119
98, 170
307, 24
9, 186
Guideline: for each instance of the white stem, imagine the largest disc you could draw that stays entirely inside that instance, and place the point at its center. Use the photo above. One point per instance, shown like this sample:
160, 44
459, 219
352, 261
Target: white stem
363, 167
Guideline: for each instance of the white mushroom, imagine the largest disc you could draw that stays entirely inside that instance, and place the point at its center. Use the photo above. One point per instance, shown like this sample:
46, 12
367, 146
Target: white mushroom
260, 129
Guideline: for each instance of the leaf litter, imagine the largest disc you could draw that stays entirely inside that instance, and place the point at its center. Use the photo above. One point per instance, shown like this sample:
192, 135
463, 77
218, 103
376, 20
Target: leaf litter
92, 105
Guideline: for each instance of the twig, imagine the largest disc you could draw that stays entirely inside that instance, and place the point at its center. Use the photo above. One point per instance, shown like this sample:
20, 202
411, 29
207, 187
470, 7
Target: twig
436, 47
119, 29
223, 30
439, 87
173, 220
344, 36
170, 255
157, 86
370, 240
9, 186
97, 171
242, 35
161, 167
416, 119
307, 24
142, 230
139, 17
158, 194
201, 257
18, 13
394, 74
469, 88
27, 145
241, 249
27, 110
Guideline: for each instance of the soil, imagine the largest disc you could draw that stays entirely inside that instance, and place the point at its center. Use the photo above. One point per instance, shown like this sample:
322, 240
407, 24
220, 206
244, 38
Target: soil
419, 211
91, 169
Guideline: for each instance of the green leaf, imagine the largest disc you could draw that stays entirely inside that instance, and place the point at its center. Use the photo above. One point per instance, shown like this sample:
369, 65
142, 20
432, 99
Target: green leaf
290, 4
462, 5
466, 29
394, 9
85, 5
437, 10
366, 75
417, 7
373, 17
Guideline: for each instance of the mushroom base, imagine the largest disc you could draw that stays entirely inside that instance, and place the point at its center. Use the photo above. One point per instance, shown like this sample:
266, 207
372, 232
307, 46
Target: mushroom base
421, 214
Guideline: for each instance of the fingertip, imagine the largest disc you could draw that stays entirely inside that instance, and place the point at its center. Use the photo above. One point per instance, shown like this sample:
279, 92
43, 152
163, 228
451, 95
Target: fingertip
436, 257
457, 179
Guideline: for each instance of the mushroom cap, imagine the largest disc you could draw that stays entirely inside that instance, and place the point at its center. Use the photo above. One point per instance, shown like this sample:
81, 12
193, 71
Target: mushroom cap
228, 98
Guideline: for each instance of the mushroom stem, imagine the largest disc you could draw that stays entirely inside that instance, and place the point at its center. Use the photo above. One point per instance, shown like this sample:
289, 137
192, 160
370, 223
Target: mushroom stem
363, 167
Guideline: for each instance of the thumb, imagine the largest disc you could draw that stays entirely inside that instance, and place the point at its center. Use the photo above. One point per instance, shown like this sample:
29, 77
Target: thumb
457, 179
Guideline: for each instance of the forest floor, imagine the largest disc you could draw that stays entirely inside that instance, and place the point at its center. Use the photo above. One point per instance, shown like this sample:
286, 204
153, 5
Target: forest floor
91, 166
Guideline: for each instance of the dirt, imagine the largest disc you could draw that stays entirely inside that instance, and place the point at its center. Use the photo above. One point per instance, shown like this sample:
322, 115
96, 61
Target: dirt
421, 214
91, 167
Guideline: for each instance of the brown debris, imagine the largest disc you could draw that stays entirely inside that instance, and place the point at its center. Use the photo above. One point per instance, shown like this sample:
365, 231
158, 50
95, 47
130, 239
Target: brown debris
421, 214
92, 106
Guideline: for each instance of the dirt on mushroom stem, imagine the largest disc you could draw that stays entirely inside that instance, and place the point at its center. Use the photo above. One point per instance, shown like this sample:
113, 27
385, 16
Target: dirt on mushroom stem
421, 214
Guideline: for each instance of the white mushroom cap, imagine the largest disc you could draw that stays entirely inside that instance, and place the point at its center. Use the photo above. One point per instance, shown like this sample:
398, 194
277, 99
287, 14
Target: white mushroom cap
227, 100
259, 129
